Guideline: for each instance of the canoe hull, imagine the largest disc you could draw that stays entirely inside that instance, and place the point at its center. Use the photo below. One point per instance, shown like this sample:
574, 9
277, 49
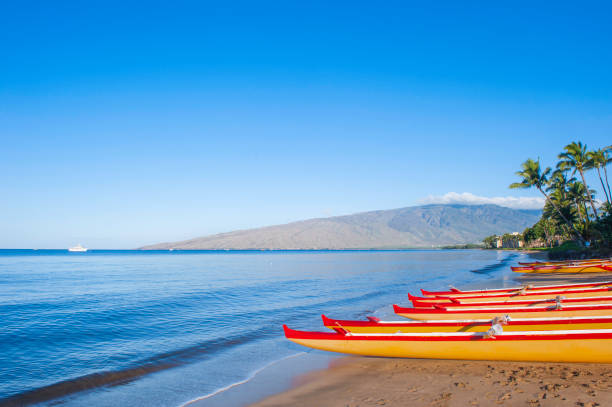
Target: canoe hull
491, 315
517, 303
556, 348
566, 262
584, 293
540, 324
580, 350
513, 290
431, 314
586, 268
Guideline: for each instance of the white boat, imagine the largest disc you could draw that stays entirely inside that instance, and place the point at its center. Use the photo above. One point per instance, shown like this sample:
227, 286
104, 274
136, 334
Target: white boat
77, 248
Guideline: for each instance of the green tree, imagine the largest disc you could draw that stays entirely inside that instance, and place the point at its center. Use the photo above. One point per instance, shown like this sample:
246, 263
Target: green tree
533, 176
550, 230
599, 159
490, 241
577, 194
510, 240
576, 158
559, 182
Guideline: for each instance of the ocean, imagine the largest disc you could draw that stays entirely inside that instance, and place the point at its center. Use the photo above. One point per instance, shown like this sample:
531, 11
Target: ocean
160, 328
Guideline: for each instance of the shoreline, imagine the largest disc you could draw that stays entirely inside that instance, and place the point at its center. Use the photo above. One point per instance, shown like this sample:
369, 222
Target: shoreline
286, 375
370, 381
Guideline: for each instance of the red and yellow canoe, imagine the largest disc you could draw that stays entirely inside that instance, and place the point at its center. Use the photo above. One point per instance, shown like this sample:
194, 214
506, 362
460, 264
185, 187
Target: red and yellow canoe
375, 325
454, 292
555, 262
568, 268
588, 346
514, 302
540, 311
536, 295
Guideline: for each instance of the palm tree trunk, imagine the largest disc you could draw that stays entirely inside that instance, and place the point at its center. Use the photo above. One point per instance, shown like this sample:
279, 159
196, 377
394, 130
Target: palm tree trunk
588, 194
607, 183
571, 225
602, 185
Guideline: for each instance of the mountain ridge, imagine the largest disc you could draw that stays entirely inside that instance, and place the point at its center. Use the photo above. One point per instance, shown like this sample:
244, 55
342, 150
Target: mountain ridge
421, 226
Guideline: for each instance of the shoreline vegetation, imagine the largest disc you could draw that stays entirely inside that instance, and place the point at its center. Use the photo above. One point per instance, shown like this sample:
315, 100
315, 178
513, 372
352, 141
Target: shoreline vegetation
573, 225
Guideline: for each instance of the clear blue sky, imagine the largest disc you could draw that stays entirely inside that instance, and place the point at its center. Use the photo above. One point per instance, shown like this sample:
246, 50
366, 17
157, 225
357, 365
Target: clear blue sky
128, 123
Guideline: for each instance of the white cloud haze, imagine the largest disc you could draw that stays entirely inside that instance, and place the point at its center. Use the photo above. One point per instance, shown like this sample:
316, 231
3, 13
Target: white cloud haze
467, 198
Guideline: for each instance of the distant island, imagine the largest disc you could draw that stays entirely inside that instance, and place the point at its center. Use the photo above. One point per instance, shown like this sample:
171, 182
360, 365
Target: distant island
424, 226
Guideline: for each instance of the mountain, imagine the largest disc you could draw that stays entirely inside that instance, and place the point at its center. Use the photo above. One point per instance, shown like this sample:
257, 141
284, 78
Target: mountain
415, 226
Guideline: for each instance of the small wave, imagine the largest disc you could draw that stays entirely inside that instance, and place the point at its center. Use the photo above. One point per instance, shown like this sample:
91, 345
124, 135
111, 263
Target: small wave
83, 383
241, 382
147, 366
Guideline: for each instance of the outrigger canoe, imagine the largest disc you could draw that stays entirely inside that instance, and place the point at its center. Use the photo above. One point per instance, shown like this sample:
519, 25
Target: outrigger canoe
588, 346
514, 302
540, 311
536, 295
527, 288
542, 263
375, 325
578, 268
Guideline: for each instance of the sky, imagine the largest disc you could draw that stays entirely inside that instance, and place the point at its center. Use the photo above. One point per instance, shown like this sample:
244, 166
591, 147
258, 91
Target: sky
130, 123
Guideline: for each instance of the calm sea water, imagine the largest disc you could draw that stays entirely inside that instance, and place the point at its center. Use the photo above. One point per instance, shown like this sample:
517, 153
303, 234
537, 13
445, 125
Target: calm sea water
162, 328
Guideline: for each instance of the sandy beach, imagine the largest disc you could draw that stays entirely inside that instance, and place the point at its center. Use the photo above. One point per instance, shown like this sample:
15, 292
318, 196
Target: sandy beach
362, 381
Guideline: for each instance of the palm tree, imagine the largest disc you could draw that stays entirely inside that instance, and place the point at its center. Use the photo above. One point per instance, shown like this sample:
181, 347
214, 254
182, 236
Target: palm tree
607, 153
577, 193
599, 160
533, 176
559, 182
559, 192
576, 157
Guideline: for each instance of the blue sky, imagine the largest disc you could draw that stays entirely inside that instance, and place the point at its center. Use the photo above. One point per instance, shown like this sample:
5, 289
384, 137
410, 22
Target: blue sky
128, 123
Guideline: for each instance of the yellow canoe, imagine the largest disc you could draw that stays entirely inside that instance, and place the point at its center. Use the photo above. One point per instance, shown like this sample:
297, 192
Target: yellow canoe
529, 296
577, 268
563, 262
375, 325
456, 293
441, 313
586, 346
516, 302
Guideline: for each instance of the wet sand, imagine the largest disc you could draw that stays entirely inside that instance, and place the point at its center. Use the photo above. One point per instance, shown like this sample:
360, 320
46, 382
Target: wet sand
362, 381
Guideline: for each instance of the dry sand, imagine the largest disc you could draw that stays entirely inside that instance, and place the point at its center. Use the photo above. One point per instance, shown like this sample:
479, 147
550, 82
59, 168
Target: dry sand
362, 381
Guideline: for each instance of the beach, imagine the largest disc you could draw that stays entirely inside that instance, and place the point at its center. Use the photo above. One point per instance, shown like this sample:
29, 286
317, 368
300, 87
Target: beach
363, 381
357, 381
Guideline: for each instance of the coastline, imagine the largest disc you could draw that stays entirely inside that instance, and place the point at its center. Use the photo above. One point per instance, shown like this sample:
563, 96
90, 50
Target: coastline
369, 381
282, 376
228, 360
